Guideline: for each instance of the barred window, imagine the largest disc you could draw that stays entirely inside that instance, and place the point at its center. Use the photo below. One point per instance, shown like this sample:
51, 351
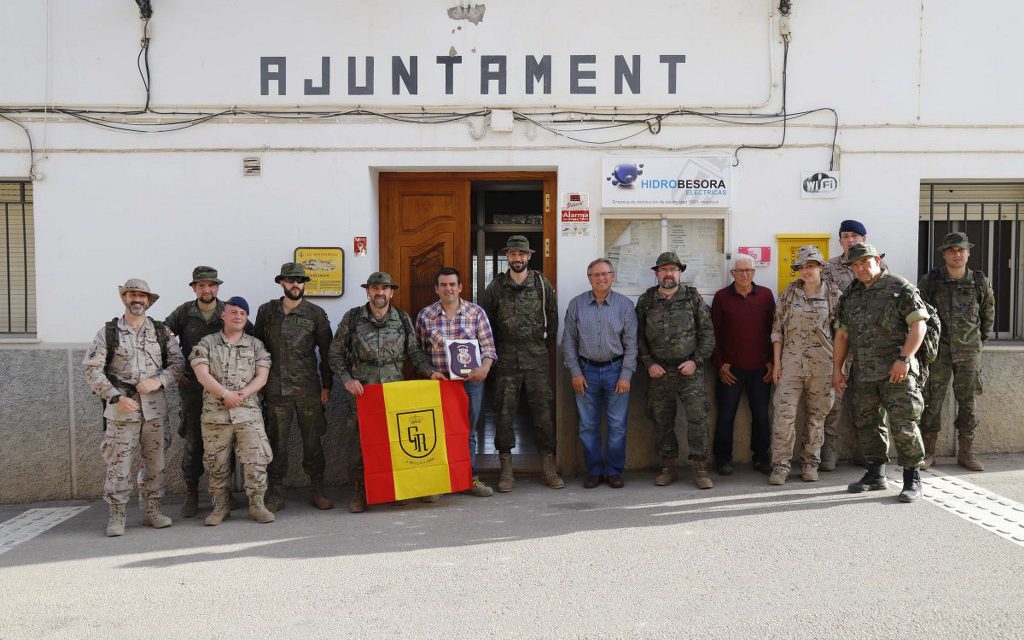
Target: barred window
17, 261
990, 213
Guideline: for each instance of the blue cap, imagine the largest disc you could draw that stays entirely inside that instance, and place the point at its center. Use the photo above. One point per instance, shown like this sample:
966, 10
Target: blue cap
854, 226
239, 301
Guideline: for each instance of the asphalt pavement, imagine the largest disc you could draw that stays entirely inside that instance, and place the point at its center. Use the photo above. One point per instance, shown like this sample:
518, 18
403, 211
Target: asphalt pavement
743, 560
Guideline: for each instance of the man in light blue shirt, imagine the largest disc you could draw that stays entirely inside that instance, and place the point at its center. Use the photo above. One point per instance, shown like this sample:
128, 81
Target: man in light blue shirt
599, 350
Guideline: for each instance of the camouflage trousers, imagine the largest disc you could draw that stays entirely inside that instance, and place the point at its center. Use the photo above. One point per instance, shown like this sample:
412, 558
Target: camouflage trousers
507, 386
249, 442
966, 385
191, 430
120, 443
818, 395
309, 414
674, 395
903, 403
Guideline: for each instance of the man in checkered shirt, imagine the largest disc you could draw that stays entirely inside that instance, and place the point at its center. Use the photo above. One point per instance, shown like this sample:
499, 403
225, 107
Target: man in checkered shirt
452, 318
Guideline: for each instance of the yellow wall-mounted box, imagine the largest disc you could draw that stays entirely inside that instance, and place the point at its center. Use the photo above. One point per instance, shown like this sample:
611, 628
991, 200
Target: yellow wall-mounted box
788, 244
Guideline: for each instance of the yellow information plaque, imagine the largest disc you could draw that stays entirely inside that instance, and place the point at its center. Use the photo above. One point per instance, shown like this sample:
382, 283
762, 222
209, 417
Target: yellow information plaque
325, 267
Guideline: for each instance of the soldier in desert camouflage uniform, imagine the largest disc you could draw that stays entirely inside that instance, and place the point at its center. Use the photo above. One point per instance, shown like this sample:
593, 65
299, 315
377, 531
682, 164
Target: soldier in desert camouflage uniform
966, 306
372, 343
143, 364
674, 337
802, 345
233, 367
523, 311
882, 322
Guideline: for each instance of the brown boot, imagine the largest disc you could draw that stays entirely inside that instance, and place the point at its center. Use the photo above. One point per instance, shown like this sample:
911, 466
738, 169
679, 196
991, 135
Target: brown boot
153, 517
316, 495
550, 475
258, 511
929, 449
220, 512
275, 496
965, 455
669, 472
358, 502
829, 454
191, 505
700, 474
505, 479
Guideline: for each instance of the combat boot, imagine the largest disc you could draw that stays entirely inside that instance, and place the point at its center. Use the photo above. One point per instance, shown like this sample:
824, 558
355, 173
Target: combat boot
505, 479
358, 502
550, 475
700, 474
191, 505
275, 496
115, 525
221, 511
829, 454
965, 456
669, 472
258, 511
153, 516
930, 439
479, 489
872, 480
779, 474
911, 486
316, 495
808, 473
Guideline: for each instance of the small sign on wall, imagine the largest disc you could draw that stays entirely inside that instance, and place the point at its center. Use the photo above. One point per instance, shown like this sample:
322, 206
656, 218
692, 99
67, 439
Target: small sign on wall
762, 256
359, 246
575, 214
325, 267
819, 184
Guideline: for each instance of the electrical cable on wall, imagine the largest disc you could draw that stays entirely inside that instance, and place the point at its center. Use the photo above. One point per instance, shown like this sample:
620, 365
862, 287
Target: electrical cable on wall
572, 125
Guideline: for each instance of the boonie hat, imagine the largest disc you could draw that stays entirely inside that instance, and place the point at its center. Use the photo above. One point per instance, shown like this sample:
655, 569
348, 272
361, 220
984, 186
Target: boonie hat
518, 243
140, 285
380, 279
205, 273
669, 257
859, 251
808, 253
292, 270
955, 239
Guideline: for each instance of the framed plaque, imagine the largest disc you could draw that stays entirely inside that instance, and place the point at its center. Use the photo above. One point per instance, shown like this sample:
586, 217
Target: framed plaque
463, 356
325, 267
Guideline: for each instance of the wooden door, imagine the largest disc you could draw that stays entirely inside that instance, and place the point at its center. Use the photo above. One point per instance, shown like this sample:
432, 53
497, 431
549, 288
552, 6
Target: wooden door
424, 225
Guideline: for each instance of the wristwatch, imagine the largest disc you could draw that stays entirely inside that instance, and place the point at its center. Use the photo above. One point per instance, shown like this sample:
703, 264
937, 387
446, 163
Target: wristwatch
115, 399
903, 358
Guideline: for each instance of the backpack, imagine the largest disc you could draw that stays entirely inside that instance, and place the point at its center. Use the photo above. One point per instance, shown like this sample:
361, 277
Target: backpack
929, 349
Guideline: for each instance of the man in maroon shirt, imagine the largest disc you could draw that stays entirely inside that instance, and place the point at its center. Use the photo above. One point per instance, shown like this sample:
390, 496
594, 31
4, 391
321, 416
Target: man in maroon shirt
742, 314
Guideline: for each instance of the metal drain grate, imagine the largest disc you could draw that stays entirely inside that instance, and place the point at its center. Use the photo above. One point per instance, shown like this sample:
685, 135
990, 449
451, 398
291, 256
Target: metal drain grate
31, 523
990, 511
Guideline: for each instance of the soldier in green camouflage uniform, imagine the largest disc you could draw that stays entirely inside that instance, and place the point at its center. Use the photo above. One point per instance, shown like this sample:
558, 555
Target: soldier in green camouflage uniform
966, 306
191, 322
293, 330
371, 345
135, 407
232, 368
675, 336
523, 311
882, 323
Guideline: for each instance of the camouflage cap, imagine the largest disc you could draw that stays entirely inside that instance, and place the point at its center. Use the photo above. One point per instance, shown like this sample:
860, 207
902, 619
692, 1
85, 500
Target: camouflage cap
859, 251
518, 243
137, 284
292, 270
205, 273
669, 257
381, 279
808, 253
955, 239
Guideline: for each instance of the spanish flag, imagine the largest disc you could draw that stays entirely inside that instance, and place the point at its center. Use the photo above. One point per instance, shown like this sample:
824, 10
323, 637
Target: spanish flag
415, 439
